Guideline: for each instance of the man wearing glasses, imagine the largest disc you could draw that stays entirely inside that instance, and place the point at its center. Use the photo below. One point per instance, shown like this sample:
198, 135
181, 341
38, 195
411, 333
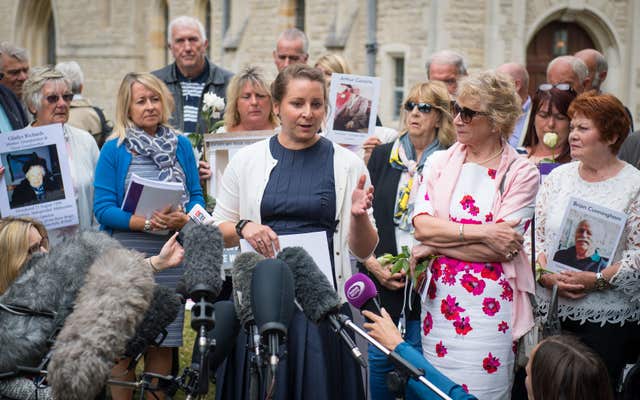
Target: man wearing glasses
570, 70
14, 68
292, 48
448, 67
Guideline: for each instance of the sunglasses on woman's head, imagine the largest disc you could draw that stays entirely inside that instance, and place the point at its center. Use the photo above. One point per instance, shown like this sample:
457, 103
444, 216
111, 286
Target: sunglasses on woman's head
424, 108
466, 114
53, 98
545, 87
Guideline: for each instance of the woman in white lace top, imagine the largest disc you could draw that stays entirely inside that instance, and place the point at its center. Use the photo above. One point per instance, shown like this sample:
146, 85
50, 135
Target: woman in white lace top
602, 308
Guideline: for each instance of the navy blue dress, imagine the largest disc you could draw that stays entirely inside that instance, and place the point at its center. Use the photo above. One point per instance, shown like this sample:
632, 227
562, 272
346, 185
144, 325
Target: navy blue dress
299, 198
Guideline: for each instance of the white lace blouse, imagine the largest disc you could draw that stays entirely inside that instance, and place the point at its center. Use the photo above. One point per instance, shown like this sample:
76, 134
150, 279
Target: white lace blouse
620, 193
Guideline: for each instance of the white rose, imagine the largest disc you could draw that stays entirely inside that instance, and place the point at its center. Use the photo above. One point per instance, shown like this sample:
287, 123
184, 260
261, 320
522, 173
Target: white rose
217, 103
209, 100
550, 139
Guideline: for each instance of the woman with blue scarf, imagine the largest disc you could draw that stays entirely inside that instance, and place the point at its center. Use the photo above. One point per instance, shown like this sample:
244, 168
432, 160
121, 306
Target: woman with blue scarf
395, 169
144, 144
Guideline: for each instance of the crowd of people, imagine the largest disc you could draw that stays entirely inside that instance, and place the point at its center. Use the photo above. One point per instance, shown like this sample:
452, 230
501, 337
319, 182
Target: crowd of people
475, 183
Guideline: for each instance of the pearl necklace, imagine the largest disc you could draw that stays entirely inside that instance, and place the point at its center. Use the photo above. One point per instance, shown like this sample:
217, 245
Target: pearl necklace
496, 154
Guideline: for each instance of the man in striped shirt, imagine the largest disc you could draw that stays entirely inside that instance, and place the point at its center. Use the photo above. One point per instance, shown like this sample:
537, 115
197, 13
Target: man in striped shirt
191, 76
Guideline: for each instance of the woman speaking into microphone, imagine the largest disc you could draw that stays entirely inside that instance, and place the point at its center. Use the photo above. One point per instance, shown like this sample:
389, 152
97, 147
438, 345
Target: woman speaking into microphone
296, 182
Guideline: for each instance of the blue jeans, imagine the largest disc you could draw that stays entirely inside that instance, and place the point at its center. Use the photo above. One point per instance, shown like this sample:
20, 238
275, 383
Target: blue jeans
379, 365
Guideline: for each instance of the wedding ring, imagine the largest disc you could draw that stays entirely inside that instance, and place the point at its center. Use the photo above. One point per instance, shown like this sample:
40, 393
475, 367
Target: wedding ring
509, 256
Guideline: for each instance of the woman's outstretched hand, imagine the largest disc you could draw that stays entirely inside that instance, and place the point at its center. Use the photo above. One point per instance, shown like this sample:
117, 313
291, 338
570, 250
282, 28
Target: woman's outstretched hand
361, 198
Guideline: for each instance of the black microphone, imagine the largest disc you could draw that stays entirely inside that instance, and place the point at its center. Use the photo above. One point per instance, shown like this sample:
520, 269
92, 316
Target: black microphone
272, 303
164, 308
241, 275
203, 248
224, 333
316, 295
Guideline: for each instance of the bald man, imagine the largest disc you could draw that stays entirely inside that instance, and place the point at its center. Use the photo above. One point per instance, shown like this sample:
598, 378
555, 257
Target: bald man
520, 77
597, 65
571, 70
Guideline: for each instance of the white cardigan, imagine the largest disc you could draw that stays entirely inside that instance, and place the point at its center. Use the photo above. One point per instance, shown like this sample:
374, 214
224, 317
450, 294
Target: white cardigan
246, 178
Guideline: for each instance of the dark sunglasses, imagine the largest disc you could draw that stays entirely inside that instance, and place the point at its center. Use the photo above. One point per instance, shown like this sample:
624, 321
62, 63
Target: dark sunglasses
466, 114
424, 108
545, 87
53, 98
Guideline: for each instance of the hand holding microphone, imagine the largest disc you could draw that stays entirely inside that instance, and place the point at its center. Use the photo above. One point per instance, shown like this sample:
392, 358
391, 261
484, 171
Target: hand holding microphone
382, 329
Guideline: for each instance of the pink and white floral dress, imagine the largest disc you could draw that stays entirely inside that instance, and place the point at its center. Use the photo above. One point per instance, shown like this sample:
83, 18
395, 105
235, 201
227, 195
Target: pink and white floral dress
466, 307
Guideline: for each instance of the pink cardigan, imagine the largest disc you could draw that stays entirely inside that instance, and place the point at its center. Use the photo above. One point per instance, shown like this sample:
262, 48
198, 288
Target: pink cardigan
519, 189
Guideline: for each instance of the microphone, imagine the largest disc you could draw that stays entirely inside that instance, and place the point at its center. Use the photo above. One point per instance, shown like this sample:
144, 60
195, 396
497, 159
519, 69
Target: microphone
224, 333
50, 283
203, 264
164, 308
272, 304
109, 306
362, 293
241, 275
316, 295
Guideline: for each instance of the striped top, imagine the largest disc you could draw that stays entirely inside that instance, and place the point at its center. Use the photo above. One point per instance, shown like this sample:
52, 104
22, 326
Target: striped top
192, 90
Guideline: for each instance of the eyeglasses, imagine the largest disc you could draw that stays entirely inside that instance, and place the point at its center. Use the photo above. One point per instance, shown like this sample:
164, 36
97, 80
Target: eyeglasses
424, 108
466, 114
53, 98
545, 87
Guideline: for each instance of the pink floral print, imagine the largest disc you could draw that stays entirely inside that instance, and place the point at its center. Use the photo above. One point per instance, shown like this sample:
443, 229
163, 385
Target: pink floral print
490, 306
450, 309
490, 363
441, 349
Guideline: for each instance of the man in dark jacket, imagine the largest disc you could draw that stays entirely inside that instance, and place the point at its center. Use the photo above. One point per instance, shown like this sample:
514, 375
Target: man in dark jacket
191, 75
12, 114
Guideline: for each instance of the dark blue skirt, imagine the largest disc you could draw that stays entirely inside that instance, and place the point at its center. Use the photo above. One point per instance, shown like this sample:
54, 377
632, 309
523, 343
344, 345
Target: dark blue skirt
316, 366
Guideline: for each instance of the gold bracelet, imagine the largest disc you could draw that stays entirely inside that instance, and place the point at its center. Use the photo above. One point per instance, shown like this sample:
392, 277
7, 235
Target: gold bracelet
461, 232
153, 267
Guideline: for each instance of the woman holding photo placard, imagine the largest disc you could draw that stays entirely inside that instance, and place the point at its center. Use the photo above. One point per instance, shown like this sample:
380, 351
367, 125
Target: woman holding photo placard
47, 94
601, 307
144, 144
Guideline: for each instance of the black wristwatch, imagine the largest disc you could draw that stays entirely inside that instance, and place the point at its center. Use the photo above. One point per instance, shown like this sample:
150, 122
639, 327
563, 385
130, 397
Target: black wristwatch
241, 225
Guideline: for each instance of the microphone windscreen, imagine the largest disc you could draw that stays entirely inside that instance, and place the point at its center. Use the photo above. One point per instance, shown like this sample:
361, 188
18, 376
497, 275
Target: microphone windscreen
164, 308
313, 291
225, 332
109, 306
47, 282
203, 248
272, 296
359, 289
241, 274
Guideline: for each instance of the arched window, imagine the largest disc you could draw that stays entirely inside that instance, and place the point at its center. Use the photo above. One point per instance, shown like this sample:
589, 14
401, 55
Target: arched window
37, 31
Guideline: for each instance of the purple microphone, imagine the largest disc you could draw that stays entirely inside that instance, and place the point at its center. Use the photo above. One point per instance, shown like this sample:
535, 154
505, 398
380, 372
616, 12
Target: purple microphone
361, 293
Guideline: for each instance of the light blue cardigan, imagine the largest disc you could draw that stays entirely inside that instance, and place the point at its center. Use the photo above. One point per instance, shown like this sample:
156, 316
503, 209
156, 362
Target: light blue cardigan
111, 172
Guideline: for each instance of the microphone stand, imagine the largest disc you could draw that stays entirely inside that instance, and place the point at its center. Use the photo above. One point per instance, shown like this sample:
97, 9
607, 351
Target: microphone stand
255, 362
400, 362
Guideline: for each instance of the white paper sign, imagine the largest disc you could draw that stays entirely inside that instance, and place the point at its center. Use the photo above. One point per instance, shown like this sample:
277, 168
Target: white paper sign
353, 108
315, 243
589, 237
37, 179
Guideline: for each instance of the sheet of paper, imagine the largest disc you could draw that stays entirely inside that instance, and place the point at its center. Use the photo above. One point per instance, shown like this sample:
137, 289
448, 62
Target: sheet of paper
315, 243
37, 180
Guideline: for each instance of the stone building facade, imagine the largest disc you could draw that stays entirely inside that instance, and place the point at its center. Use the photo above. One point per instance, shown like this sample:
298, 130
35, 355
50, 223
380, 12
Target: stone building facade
389, 38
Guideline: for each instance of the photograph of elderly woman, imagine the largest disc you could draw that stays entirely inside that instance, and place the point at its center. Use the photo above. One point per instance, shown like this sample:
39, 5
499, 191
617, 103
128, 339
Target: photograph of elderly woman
33, 176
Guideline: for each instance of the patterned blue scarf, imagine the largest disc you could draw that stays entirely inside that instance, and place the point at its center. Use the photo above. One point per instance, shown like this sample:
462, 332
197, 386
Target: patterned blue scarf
160, 148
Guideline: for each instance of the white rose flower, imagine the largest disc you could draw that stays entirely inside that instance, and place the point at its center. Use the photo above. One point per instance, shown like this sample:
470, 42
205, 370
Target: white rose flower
550, 139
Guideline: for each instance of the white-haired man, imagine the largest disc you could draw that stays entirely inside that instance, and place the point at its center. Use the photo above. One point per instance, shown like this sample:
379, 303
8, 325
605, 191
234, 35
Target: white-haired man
571, 70
520, 77
448, 67
14, 66
292, 48
83, 114
191, 75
